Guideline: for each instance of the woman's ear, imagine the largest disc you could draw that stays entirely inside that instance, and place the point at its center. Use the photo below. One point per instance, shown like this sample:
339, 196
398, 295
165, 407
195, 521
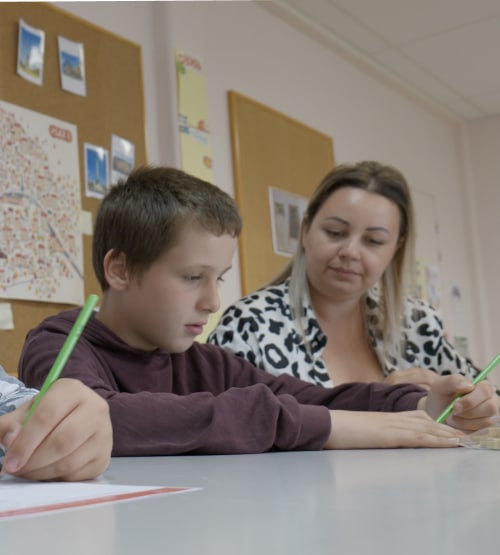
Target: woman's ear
115, 270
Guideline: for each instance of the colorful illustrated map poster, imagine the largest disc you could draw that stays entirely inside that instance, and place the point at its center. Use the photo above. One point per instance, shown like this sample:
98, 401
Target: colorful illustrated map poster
41, 252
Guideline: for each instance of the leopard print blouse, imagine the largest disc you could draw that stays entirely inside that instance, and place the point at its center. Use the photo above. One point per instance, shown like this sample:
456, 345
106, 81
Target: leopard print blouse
261, 329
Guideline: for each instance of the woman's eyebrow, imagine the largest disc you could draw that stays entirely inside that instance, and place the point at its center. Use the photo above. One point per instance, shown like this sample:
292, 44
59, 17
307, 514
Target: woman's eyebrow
345, 222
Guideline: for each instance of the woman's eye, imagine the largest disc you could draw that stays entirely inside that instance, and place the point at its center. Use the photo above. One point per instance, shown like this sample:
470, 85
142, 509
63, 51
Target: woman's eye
193, 278
333, 233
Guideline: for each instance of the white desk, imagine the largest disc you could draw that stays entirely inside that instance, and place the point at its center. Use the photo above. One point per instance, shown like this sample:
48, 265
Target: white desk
346, 502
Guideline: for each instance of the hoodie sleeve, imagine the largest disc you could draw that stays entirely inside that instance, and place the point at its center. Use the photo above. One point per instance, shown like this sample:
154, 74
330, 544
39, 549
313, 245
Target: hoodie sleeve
206, 400
197, 415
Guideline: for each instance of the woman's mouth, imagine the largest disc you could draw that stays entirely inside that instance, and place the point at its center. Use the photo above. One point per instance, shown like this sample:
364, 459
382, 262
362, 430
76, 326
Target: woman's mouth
344, 272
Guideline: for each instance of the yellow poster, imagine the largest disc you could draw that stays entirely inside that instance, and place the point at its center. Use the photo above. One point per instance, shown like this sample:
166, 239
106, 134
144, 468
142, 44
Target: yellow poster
194, 133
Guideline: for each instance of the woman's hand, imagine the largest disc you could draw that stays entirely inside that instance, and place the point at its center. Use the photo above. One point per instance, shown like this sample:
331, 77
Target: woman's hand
472, 412
419, 376
68, 436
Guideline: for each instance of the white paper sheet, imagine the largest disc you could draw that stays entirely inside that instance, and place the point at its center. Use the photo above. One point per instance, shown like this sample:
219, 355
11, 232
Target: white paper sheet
22, 498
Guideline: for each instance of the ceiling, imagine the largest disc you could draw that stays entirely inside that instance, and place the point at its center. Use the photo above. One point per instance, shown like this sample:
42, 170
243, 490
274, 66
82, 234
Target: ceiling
447, 50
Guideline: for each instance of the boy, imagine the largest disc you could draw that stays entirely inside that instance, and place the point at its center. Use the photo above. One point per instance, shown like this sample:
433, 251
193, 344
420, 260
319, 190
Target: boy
162, 242
67, 437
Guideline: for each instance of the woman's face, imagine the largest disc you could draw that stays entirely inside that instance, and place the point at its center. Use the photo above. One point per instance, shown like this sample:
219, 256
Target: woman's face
350, 242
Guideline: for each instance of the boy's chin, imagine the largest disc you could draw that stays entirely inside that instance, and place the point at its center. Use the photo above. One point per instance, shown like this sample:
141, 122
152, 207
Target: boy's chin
180, 346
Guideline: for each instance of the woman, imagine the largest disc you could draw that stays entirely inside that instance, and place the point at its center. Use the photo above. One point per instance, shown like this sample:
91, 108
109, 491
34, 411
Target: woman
338, 312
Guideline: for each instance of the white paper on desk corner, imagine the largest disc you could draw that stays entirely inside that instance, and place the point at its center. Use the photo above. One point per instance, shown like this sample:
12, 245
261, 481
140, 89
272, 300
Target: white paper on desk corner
19, 498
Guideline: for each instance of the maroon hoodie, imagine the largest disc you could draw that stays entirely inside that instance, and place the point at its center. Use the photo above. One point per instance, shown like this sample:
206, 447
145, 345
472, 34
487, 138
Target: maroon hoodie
204, 400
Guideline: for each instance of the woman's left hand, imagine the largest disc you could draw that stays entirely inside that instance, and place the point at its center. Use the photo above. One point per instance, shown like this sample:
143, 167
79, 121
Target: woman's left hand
472, 412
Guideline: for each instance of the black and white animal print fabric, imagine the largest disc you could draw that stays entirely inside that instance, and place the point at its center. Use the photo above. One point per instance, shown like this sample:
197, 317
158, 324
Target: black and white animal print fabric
261, 329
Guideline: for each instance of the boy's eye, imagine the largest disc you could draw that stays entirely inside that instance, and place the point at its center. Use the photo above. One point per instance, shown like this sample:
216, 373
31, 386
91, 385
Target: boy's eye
193, 278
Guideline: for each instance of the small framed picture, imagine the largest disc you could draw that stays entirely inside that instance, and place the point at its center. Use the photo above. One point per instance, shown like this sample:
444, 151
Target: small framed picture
286, 211
96, 171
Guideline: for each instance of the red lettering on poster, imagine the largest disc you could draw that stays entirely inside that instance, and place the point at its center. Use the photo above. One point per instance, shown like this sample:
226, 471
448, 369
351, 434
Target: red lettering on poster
189, 61
60, 133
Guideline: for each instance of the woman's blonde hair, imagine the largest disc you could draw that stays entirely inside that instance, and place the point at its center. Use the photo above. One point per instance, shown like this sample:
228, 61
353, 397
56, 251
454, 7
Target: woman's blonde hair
382, 180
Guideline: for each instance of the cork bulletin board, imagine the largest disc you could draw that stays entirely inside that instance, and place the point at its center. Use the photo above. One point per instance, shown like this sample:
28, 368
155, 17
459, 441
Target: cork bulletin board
113, 105
270, 149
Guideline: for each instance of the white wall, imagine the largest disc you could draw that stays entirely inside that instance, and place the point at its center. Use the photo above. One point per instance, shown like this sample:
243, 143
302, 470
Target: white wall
484, 139
246, 47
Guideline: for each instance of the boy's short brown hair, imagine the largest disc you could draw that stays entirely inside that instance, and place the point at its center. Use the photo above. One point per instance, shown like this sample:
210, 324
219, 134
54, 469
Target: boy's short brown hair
143, 216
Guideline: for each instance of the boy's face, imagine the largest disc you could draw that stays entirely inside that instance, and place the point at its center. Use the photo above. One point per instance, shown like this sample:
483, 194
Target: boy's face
171, 302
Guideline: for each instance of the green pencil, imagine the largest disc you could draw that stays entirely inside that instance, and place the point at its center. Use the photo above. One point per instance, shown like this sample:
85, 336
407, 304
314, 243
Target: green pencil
481, 376
65, 351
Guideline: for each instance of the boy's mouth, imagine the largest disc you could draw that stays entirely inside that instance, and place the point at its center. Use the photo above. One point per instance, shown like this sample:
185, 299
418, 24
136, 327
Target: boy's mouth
195, 329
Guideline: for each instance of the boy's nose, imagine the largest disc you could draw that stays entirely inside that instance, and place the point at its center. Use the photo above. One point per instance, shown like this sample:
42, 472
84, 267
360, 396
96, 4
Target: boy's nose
210, 300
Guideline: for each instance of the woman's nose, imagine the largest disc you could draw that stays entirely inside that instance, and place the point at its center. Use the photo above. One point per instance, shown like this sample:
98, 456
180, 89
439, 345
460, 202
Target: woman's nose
350, 247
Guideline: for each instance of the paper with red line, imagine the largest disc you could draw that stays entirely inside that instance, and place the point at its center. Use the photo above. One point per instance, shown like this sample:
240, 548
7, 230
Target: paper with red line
20, 498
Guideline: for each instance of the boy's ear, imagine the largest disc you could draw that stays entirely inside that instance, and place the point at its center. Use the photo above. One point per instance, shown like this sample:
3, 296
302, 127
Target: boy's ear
115, 270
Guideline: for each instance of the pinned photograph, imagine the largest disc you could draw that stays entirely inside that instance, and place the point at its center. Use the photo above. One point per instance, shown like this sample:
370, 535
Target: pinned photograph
30, 52
72, 66
122, 158
287, 211
96, 171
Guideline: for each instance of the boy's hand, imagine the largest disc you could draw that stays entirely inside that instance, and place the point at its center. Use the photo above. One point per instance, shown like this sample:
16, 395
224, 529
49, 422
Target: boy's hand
473, 412
366, 430
68, 436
